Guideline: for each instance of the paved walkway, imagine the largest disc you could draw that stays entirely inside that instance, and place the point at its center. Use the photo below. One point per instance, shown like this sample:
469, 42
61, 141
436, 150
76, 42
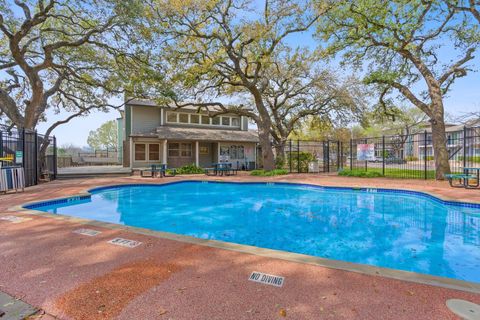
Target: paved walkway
71, 276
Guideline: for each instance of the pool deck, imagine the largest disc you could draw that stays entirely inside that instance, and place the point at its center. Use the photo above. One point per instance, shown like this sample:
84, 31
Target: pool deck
72, 276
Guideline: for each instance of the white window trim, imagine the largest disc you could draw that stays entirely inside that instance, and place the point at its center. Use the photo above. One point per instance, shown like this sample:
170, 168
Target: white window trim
180, 150
200, 124
147, 152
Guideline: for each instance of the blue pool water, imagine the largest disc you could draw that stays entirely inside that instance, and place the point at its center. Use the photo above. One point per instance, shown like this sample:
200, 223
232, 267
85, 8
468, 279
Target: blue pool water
411, 232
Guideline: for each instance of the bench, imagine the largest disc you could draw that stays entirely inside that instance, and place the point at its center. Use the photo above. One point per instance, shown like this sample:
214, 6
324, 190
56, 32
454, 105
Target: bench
160, 169
463, 180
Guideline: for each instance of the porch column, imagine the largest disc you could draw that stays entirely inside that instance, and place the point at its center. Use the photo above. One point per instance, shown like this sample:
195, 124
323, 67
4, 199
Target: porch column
131, 149
165, 151
197, 162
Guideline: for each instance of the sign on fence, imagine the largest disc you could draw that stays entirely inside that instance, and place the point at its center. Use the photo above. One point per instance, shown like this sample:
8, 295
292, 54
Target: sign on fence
19, 157
366, 152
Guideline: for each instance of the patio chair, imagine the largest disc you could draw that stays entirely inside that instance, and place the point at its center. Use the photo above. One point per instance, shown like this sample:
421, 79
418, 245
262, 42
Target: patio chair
160, 169
463, 180
226, 169
153, 170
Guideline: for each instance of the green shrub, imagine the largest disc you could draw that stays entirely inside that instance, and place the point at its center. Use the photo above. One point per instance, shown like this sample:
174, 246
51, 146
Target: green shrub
189, 169
429, 158
304, 157
263, 173
279, 162
360, 173
411, 158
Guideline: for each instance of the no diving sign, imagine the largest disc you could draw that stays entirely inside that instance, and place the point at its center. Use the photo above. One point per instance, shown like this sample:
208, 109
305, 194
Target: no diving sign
269, 279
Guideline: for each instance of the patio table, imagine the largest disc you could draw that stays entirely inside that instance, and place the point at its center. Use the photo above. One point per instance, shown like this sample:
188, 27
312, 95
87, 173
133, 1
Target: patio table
222, 168
467, 170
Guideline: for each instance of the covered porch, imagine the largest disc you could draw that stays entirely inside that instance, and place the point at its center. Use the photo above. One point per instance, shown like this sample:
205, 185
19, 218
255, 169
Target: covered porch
178, 147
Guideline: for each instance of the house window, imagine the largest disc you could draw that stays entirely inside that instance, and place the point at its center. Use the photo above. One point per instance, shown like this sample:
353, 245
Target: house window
186, 118
205, 120
183, 117
216, 121
180, 149
204, 150
224, 151
240, 152
140, 151
154, 152
225, 121
233, 152
172, 117
194, 118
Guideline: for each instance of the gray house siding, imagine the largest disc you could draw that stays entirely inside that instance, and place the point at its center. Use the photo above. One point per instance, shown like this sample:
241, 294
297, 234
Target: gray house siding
145, 119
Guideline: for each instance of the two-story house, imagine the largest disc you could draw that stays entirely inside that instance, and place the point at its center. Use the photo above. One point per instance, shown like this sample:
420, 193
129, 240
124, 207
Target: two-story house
153, 134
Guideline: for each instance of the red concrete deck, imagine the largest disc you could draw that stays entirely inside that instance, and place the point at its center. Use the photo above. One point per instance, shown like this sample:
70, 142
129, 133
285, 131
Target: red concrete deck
72, 276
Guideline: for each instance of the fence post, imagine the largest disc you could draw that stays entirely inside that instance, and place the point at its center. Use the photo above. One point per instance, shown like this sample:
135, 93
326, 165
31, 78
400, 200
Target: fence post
54, 158
1, 143
290, 155
338, 155
23, 149
425, 154
328, 155
383, 155
298, 156
351, 154
366, 162
35, 152
464, 146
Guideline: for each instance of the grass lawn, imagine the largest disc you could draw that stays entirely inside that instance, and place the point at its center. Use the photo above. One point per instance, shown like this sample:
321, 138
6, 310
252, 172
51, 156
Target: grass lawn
389, 173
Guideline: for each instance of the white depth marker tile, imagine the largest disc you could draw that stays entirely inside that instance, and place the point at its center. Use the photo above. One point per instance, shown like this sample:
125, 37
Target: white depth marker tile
125, 242
269, 279
87, 232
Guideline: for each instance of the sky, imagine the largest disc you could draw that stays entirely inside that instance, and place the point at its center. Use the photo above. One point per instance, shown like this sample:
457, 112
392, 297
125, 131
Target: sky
464, 97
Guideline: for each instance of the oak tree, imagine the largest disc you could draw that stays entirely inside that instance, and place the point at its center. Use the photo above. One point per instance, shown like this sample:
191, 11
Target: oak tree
399, 43
220, 51
65, 56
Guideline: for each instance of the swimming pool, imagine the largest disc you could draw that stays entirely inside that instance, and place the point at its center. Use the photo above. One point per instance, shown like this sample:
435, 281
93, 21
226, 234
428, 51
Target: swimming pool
386, 228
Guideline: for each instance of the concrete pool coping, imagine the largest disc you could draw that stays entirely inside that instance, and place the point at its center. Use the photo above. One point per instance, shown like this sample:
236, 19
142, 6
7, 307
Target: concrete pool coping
448, 283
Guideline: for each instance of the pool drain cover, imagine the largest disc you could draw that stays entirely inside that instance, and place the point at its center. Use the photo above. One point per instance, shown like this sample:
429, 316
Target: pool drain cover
465, 309
125, 242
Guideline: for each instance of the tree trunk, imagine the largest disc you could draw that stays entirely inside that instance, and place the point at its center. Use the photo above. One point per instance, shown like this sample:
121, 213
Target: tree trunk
265, 143
264, 125
442, 166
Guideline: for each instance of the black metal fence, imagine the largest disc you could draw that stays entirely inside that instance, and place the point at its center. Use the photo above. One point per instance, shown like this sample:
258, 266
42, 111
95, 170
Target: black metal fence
303, 156
397, 156
30, 150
